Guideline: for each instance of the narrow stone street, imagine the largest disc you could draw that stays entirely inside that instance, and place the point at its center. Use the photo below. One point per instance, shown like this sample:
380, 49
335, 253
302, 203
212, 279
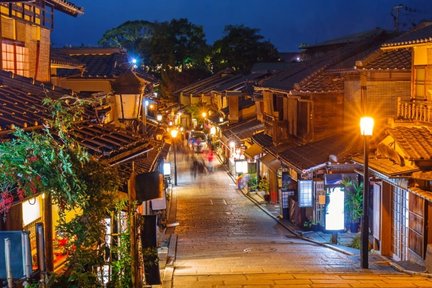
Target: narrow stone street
225, 240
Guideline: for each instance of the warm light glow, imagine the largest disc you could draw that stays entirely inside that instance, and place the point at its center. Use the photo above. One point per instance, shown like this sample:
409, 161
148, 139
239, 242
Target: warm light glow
151, 106
213, 130
204, 114
159, 117
221, 119
335, 216
366, 126
174, 133
31, 210
170, 123
232, 144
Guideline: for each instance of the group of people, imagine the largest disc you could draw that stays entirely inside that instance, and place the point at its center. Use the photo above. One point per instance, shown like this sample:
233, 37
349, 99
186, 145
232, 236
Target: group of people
202, 163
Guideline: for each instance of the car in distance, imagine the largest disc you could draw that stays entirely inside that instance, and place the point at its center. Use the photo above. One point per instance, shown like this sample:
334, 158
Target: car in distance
197, 141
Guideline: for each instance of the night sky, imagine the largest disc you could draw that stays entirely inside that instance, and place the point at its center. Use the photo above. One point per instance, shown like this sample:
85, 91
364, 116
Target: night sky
285, 23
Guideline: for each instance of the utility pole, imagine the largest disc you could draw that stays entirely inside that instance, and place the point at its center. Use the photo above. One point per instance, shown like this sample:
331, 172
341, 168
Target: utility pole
396, 13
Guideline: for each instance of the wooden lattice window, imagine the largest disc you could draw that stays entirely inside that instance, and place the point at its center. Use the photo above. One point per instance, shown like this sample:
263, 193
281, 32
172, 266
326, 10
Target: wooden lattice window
15, 58
423, 82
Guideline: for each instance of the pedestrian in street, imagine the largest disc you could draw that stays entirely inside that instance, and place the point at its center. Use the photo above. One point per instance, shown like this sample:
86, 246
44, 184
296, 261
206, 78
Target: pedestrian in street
210, 158
194, 167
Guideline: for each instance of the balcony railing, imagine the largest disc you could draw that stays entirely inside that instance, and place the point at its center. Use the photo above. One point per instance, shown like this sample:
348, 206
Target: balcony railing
414, 110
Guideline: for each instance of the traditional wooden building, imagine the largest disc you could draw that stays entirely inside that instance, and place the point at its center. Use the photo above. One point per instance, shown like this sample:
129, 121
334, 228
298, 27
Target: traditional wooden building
401, 163
25, 35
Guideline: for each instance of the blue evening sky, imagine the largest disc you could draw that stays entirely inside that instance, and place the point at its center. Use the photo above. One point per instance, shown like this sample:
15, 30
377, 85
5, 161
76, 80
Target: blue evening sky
286, 23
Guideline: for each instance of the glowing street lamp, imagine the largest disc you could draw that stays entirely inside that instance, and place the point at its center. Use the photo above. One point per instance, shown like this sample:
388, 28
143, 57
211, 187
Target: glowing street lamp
159, 117
366, 130
174, 133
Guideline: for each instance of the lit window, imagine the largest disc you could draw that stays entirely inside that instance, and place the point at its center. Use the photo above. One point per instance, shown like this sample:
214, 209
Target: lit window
305, 193
15, 58
422, 82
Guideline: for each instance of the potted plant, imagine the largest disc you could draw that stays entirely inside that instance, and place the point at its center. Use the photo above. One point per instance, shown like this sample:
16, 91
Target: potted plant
252, 182
353, 203
264, 186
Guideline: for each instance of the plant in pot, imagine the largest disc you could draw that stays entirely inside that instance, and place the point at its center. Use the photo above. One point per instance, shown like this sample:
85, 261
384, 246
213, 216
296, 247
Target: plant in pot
264, 185
252, 182
353, 203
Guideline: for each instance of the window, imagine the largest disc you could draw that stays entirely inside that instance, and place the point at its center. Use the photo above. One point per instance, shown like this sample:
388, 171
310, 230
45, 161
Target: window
15, 58
423, 83
305, 193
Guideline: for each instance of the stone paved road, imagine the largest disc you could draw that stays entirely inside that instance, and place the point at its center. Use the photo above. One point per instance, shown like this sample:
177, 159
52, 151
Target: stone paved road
224, 240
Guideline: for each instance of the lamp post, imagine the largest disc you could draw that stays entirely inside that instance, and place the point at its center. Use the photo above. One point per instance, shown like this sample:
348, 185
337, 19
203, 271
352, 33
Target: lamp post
366, 130
174, 133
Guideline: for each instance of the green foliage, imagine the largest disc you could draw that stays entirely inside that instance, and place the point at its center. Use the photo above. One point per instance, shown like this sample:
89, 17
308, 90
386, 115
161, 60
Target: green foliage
122, 263
240, 48
129, 35
51, 161
353, 200
264, 185
47, 160
151, 257
252, 182
356, 242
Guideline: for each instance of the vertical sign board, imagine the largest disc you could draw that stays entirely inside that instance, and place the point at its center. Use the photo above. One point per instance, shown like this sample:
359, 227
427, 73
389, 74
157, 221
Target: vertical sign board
285, 185
335, 214
18, 259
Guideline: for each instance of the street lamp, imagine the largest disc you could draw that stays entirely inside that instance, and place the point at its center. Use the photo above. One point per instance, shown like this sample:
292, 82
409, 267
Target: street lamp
174, 133
366, 130
159, 117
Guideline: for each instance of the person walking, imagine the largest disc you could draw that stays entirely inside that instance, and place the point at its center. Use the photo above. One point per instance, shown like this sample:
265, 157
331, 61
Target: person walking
210, 158
194, 167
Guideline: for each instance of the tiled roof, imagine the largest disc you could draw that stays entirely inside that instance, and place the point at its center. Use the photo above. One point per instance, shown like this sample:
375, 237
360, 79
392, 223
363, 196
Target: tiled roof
21, 101
98, 62
386, 166
66, 7
312, 154
108, 142
285, 80
315, 74
397, 59
416, 142
322, 82
262, 139
421, 34
223, 81
57, 57
344, 40
21, 106
243, 130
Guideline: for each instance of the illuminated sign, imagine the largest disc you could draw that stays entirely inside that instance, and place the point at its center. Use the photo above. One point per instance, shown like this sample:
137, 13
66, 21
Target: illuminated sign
335, 214
167, 169
31, 210
241, 166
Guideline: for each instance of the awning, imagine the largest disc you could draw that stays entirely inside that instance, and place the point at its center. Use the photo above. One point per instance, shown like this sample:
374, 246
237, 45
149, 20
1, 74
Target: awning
271, 162
253, 150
